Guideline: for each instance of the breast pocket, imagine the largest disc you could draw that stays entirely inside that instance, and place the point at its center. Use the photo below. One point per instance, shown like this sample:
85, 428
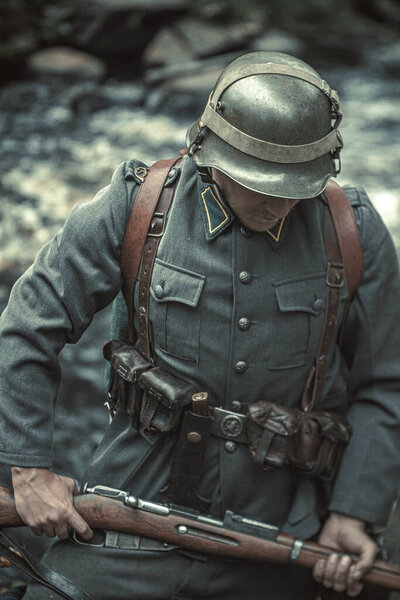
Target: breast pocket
174, 310
300, 305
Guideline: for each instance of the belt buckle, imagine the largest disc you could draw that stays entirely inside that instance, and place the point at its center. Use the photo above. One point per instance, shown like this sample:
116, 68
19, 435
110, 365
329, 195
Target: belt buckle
231, 426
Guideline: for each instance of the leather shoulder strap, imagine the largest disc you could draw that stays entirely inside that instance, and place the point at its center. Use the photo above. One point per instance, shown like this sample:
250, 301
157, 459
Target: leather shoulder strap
348, 235
343, 251
138, 226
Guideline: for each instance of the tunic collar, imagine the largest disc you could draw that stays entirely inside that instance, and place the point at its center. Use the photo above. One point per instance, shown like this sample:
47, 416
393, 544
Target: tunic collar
217, 217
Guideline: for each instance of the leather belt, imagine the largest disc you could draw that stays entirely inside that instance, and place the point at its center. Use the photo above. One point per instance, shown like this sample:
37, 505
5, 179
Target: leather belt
229, 425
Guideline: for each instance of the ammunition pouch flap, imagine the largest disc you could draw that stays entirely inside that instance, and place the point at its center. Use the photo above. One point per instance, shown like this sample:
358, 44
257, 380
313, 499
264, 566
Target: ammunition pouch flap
127, 365
312, 442
125, 360
164, 399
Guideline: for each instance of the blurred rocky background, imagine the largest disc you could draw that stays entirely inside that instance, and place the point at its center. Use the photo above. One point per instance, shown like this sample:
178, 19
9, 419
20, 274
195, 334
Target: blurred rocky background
85, 85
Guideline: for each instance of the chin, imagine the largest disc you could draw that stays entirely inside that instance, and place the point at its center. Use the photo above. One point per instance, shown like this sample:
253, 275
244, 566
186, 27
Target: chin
259, 227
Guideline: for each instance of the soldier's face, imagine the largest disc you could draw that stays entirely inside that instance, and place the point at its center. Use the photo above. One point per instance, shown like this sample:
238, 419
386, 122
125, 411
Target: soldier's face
258, 212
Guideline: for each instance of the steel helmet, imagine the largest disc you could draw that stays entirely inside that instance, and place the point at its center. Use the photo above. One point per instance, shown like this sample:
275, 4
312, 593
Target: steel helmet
271, 124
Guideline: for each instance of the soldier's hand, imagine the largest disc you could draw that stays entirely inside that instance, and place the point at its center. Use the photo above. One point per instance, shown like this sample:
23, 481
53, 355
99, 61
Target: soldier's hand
347, 536
44, 501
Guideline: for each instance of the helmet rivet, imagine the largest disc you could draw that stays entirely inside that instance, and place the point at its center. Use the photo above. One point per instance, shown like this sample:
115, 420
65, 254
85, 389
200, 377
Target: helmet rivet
219, 106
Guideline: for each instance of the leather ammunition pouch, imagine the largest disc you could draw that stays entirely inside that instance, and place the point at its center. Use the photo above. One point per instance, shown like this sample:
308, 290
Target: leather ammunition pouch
312, 441
153, 398
164, 399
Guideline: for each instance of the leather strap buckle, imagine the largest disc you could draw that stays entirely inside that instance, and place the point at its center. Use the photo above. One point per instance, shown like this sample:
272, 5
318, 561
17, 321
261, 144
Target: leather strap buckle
157, 225
335, 275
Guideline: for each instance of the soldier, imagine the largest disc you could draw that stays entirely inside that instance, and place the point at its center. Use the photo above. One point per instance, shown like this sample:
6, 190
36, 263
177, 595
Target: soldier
237, 305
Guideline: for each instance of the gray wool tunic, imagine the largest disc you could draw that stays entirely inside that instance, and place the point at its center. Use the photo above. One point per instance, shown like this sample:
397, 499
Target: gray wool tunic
214, 273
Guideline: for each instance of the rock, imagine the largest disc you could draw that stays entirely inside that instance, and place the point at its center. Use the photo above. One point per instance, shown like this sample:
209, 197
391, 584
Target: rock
66, 62
182, 89
207, 39
189, 68
381, 10
276, 40
89, 99
145, 5
121, 29
166, 47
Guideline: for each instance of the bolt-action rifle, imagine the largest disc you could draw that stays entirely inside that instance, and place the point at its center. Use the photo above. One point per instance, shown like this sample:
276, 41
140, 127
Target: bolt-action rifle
235, 537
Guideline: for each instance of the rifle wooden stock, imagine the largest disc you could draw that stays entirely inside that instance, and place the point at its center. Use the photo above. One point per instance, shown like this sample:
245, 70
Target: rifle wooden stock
107, 513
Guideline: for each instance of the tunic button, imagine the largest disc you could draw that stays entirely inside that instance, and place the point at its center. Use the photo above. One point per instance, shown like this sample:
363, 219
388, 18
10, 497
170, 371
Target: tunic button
230, 447
245, 232
244, 323
318, 304
159, 291
241, 366
244, 277
236, 405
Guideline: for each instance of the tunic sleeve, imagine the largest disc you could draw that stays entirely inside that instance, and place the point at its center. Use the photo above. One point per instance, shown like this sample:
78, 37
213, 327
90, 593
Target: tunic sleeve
368, 480
75, 275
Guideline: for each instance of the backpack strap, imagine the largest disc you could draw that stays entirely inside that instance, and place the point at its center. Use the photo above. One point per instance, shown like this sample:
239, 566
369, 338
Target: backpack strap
137, 230
344, 257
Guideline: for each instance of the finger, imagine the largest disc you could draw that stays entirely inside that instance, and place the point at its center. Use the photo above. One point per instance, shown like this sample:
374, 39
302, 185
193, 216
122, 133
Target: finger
366, 560
48, 531
353, 586
319, 570
80, 525
330, 570
62, 532
342, 574
72, 485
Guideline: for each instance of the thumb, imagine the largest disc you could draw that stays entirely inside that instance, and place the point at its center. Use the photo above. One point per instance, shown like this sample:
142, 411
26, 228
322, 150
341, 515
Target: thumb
366, 559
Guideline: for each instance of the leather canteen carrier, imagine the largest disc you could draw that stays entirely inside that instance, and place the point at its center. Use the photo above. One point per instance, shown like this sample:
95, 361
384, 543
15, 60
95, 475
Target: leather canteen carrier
310, 440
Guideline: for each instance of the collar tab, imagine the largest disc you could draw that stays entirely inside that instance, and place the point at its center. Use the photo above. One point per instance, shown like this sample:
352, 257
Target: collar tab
217, 216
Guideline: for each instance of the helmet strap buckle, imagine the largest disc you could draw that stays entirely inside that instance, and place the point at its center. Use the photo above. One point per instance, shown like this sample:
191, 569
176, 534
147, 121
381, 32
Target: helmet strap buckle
195, 145
337, 163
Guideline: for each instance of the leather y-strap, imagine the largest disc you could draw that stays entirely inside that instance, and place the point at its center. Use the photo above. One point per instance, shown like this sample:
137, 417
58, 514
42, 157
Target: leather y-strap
154, 235
344, 256
334, 284
348, 235
21, 558
137, 228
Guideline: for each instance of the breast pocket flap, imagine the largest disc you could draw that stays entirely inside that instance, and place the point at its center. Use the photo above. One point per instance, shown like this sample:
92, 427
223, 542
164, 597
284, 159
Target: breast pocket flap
301, 296
175, 284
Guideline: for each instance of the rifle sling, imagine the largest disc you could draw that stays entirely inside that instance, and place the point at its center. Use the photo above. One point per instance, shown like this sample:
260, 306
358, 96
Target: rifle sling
23, 560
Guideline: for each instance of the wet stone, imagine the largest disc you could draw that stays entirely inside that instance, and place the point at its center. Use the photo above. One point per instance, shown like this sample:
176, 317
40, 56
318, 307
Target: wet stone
66, 62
